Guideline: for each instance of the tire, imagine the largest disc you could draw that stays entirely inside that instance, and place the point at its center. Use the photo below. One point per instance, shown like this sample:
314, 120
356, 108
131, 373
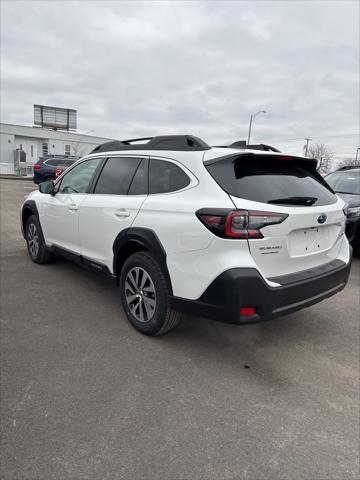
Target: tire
356, 250
35, 242
145, 296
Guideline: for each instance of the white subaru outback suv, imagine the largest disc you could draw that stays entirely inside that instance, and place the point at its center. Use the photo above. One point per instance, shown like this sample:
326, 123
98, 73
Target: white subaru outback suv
231, 233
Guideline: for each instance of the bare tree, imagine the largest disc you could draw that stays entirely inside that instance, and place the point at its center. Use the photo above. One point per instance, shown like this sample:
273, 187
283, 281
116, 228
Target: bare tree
78, 149
349, 162
323, 155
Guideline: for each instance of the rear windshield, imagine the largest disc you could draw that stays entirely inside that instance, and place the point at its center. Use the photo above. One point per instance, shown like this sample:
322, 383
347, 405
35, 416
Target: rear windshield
267, 179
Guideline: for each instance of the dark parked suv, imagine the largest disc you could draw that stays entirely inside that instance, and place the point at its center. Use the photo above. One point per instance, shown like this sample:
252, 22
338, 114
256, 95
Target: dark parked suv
50, 167
346, 183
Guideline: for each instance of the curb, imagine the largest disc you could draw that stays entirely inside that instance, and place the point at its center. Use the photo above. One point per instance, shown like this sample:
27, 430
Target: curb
14, 177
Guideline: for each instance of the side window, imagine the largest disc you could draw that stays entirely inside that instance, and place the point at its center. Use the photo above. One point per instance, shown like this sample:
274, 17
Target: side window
64, 163
165, 177
45, 148
117, 175
52, 163
139, 183
78, 178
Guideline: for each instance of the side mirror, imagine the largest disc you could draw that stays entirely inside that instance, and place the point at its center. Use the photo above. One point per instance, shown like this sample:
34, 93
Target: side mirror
47, 187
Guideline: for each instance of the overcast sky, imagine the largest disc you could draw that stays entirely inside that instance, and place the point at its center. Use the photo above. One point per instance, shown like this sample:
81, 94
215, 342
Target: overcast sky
146, 68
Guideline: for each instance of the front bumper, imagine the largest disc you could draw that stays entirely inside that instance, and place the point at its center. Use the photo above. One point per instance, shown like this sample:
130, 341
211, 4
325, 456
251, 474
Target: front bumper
245, 287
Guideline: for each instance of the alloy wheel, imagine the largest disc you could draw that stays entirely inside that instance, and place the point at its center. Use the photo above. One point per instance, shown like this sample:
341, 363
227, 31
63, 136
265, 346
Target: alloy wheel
33, 240
140, 294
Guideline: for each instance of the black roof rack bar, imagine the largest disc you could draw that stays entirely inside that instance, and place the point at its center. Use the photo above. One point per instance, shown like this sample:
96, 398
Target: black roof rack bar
185, 143
238, 144
263, 147
241, 144
132, 140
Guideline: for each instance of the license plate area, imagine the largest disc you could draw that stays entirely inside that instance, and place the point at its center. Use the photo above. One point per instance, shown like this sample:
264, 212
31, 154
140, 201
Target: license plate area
311, 240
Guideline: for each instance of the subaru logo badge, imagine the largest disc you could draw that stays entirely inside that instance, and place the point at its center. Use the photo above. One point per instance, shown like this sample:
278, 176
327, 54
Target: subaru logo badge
322, 218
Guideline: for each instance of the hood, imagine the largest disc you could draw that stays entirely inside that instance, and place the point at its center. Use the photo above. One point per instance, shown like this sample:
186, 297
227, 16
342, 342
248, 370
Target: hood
351, 199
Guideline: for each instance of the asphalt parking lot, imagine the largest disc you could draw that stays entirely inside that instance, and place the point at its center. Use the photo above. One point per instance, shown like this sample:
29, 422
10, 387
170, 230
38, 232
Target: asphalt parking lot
84, 396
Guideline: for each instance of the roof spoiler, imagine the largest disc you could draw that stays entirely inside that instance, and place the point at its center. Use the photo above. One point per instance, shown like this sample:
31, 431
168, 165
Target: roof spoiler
252, 155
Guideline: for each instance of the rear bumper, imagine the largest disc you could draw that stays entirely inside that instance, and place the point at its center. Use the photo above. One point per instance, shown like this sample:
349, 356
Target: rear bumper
37, 178
245, 287
40, 176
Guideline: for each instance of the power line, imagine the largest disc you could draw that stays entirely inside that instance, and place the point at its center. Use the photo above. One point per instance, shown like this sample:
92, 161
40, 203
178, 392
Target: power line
319, 136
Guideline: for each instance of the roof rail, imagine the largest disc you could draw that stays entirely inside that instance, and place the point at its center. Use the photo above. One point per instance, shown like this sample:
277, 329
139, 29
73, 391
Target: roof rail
184, 143
265, 148
241, 144
260, 146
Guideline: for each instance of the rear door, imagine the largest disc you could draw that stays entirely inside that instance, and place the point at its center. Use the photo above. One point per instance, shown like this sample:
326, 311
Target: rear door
112, 205
310, 234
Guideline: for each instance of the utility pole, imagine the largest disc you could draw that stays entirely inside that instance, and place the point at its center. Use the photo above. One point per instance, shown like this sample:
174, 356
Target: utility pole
306, 147
250, 125
252, 116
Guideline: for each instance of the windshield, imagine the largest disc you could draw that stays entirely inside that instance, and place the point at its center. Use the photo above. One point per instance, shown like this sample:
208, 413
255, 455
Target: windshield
345, 182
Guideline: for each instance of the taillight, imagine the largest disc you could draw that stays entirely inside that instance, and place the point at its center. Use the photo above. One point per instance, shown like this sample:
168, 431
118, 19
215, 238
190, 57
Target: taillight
242, 224
236, 224
58, 172
36, 166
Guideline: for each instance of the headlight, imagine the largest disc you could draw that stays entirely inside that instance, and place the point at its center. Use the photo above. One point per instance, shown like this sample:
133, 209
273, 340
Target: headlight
353, 212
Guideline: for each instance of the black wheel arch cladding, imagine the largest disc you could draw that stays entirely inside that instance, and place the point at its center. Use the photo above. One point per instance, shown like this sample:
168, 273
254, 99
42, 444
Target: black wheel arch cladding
29, 208
134, 239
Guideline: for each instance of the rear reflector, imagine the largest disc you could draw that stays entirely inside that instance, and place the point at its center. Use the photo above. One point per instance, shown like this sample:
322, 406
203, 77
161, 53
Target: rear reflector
247, 311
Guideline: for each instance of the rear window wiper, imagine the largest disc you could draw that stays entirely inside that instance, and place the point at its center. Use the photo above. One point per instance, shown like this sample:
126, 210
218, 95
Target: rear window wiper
294, 200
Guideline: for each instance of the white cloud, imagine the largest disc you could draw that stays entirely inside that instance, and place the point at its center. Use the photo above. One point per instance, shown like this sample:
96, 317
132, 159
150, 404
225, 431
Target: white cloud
143, 68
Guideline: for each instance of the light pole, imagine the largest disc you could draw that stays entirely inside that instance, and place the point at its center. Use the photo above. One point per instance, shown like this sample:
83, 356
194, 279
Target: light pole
306, 147
252, 117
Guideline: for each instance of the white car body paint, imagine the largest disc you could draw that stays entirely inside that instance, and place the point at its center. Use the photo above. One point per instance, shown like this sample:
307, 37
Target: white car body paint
88, 224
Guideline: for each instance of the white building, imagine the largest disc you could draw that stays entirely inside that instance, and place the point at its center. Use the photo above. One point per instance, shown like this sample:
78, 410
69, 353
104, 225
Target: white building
37, 142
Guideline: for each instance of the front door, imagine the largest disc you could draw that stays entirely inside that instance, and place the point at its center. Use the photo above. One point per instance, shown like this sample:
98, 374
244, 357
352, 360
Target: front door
60, 218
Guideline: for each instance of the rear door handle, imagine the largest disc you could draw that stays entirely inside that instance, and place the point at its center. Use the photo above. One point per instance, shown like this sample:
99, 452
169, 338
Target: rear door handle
73, 208
122, 213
